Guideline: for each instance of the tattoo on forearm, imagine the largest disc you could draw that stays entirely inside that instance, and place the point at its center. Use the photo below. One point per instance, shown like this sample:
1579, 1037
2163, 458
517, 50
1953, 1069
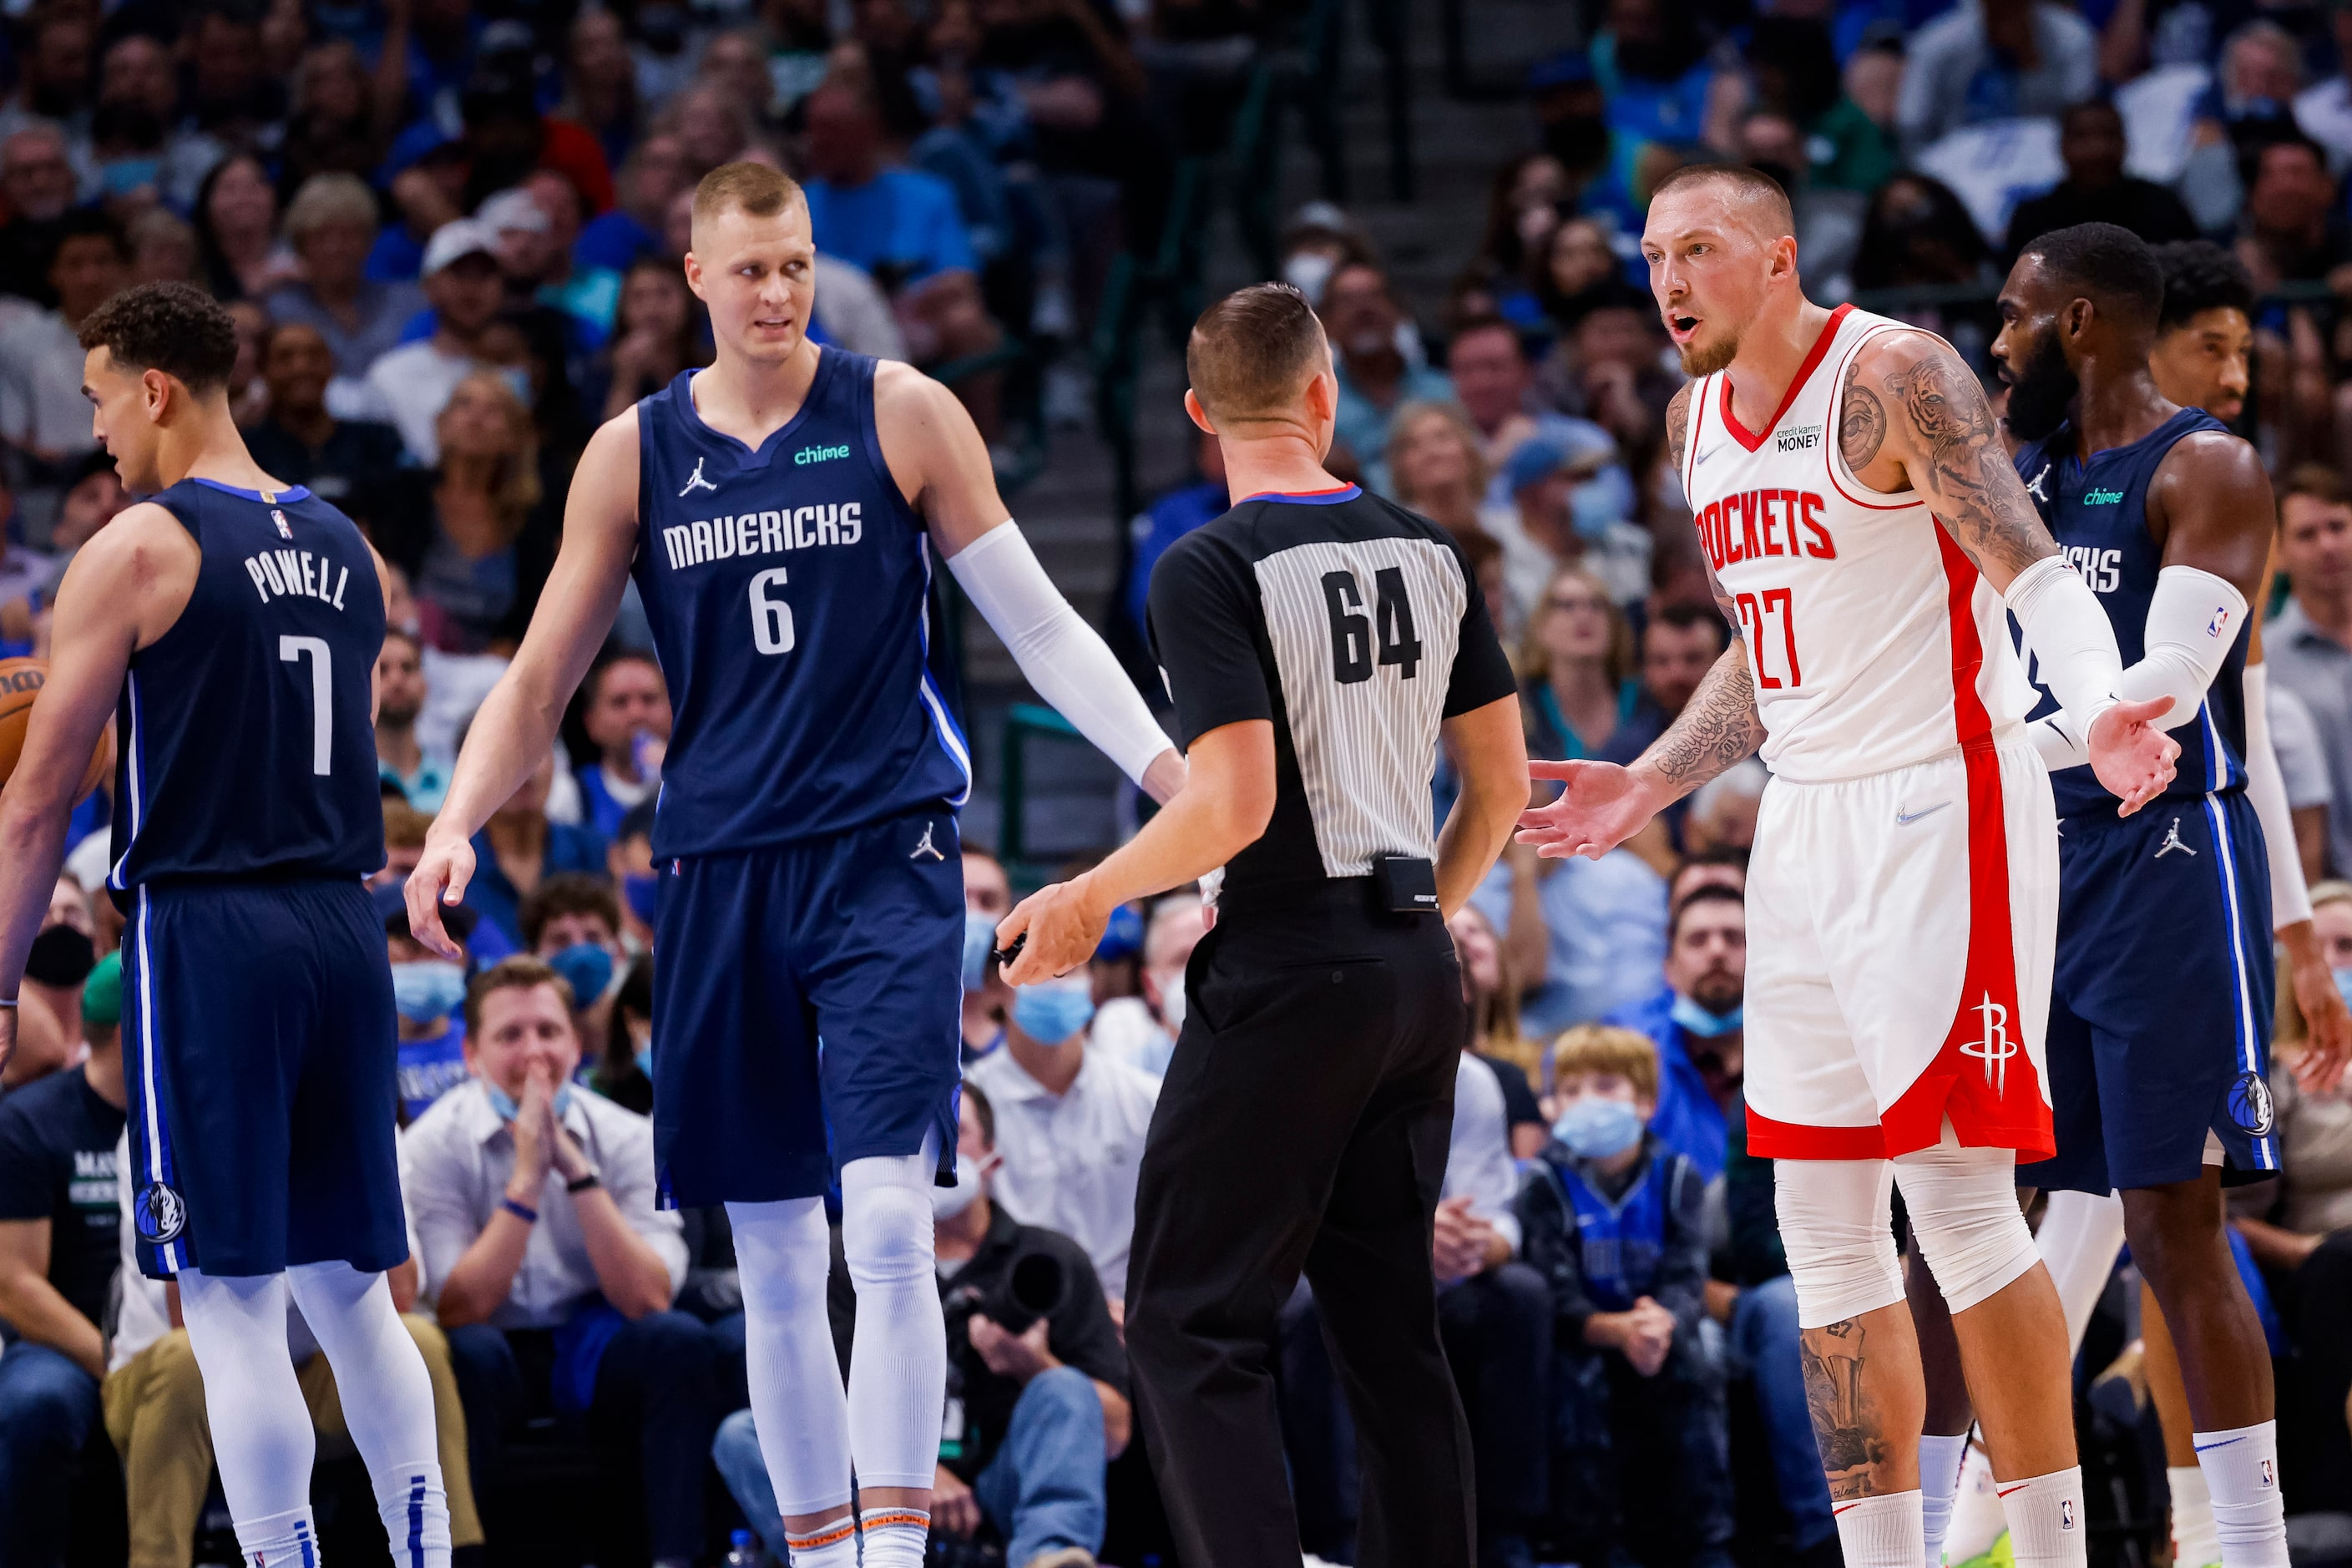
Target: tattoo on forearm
1718, 728
1845, 1420
1862, 428
1968, 479
1678, 427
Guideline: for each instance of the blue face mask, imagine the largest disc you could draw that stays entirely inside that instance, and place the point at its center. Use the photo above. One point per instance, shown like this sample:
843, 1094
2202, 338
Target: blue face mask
1052, 1013
518, 380
645, 1060
1697, 1020
1595, 1127
1601, 501
504, 1103
979, 942
2344, 984
643, 894
586, 967
427, 989
124, 175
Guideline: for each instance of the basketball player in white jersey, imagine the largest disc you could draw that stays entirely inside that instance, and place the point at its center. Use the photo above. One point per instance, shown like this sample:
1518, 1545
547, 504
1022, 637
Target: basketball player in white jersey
1866, 533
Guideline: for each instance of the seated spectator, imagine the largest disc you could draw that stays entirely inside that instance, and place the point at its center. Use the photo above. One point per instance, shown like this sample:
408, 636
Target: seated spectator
36, 177
410, 385
2291, 230
659, 330
1437, 467
1571, 503
53, 74
1577, 653
232, 91
1069, 1125
1995, 59
422, 776
1612, 1219
987, 899
1173, 516
345, 462
1606, 370
2308, 647
1173, 929
1044, 1410
574, 922
57, 968
1582, 935
331, 119
58, 1249
626, 714
654, 176
163, 248
506, 137
629, 861
1694, 1020
403, 843
518, 848
238, 248
142, 146
577, 287
2097, 189
1723, 810
1680, 643
428, 992
476, 532
599, 79
623, 1074
1917, 233
1376, 357
550, 1265
331, 224
1495, 387
42, 409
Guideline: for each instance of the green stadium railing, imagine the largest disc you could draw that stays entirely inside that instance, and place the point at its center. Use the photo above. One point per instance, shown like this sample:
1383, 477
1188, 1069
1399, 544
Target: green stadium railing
1025, 724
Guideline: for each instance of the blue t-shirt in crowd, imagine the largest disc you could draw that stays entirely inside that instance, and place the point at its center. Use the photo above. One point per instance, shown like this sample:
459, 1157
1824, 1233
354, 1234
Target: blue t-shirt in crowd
398, 257
1606, 921
570, 846
1687, 1119
430, 1068
614, 240
901, 222
1161, 524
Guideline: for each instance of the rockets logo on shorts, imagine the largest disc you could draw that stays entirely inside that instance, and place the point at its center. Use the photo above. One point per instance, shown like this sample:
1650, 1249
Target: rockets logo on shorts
159, 1212
1994, 1048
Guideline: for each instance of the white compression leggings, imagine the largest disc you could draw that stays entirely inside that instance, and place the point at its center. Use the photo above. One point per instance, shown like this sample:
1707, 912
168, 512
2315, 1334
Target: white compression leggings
1836, 1221
887, 1423
262, 1436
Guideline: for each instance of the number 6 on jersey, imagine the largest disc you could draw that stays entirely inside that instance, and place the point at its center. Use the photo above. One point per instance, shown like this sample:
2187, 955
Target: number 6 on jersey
771, 619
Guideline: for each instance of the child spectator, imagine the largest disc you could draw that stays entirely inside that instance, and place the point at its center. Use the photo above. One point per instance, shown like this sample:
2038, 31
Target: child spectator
1613, 1220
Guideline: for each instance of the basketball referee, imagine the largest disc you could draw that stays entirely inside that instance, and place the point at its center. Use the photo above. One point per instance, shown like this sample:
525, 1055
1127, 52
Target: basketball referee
1317, 642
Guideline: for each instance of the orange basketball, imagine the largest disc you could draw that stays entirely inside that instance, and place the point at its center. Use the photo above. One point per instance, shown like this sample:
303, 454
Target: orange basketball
20, 683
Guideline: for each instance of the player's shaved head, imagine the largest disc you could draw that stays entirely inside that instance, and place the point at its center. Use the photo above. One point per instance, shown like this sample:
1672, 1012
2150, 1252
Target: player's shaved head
1754, 197
752, 188
1252, 351
2109, 266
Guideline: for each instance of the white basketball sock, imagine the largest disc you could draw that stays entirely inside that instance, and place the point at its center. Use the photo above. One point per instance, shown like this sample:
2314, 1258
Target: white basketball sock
2045, 1520
1881, 1531
899, 1364
783, 1252
832, 1544
1977, 1517
387, 1402
262, 1438
287, 1540
2194, 1543
2080, 1238
1939, 1483
2240, 1467
895, 1537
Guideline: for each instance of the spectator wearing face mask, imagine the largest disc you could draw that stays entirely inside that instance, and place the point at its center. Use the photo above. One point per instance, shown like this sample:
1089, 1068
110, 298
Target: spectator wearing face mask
1141, 1030
421, 776
1069, 1124
49, 1021
627, 716
1694, 1019
624, 1073
572, 922
629, 861
987, 899
1034, 1418
1568, 506
427, 992
551, 1267
516, 849
1613, 1220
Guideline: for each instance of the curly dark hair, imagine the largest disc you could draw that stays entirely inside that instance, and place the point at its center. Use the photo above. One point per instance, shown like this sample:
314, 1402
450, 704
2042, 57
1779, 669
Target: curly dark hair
175, 328
2199, 276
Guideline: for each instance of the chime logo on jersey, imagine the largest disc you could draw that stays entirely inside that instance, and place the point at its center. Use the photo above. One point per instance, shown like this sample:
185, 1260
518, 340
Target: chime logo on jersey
1994, 1048
1756, 523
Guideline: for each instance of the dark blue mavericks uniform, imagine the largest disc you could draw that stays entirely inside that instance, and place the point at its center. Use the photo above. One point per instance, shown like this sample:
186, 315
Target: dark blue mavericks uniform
813, 881
2161, 1011
258, 1022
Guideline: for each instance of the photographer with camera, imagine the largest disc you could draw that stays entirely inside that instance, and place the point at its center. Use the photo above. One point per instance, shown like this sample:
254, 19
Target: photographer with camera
1037, 1400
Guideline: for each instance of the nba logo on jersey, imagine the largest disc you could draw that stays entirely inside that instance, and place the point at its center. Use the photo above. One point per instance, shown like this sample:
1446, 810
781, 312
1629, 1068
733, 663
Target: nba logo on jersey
278, 518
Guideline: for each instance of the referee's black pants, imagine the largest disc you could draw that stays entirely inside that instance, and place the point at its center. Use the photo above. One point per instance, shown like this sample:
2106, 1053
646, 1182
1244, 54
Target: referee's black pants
1303, 1124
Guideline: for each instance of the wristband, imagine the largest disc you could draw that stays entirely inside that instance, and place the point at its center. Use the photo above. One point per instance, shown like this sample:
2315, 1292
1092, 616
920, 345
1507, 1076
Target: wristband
579, 1184
7, 1001
528, 1215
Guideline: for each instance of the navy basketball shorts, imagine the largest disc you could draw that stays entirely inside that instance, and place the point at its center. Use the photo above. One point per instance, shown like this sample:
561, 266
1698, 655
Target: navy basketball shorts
2160, 1016
806, 1010
258, 1049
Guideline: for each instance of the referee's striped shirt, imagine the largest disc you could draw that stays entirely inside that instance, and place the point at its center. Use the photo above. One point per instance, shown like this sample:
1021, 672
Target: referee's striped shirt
1357, 628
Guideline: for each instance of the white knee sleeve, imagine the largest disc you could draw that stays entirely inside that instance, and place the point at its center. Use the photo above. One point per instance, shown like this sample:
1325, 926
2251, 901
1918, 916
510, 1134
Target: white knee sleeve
783, 1252
1963, 1205
1838, 1226
899, 1364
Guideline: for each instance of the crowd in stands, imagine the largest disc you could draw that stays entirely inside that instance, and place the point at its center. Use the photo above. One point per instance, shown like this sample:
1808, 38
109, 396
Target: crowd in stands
450, 236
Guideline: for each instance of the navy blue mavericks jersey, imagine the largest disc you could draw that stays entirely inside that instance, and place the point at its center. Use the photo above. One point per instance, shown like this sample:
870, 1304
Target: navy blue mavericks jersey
788, 590
2097, 510
247, 733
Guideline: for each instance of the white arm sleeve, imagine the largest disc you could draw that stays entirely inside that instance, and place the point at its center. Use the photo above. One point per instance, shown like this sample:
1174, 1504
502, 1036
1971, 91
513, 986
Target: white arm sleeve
2060, 746
2070, 638
2266, 787
1064, 658
2193, 618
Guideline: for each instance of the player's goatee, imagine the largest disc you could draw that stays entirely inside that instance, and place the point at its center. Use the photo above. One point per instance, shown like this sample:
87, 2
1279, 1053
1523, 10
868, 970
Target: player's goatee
2041, 392
1705, 358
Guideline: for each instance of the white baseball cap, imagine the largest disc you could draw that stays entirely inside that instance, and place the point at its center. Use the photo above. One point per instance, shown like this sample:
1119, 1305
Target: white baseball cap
454, 240
513, 208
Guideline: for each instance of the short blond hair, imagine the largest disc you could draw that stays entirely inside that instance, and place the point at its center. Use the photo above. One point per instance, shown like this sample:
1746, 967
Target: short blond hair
1601, 1048
756, 189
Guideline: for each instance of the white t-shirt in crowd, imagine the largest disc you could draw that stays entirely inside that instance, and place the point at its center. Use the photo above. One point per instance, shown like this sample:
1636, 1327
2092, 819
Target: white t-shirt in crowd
1070, 1161
408, 387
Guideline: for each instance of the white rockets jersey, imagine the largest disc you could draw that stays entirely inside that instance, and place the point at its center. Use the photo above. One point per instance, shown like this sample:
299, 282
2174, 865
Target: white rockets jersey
1873, 642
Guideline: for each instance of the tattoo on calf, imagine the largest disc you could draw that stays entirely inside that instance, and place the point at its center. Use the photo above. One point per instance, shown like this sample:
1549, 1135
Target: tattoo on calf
1845, 1423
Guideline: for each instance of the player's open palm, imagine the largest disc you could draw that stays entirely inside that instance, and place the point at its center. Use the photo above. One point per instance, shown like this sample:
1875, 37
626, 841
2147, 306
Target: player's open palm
1603, 805
2327, 1024
2132, 758
442, 874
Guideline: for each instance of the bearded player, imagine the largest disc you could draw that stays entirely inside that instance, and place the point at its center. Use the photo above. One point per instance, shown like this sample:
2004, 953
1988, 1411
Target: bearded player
778, 512
1866, 533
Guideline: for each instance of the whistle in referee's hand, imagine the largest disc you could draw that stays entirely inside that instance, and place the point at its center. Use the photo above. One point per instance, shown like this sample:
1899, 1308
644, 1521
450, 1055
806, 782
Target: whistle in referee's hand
1006, 955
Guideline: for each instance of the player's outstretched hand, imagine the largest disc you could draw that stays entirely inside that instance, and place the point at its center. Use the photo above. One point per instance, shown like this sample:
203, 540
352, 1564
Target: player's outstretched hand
2131, 757
440, 878
1062, 927
1603, 807
2327, 1038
